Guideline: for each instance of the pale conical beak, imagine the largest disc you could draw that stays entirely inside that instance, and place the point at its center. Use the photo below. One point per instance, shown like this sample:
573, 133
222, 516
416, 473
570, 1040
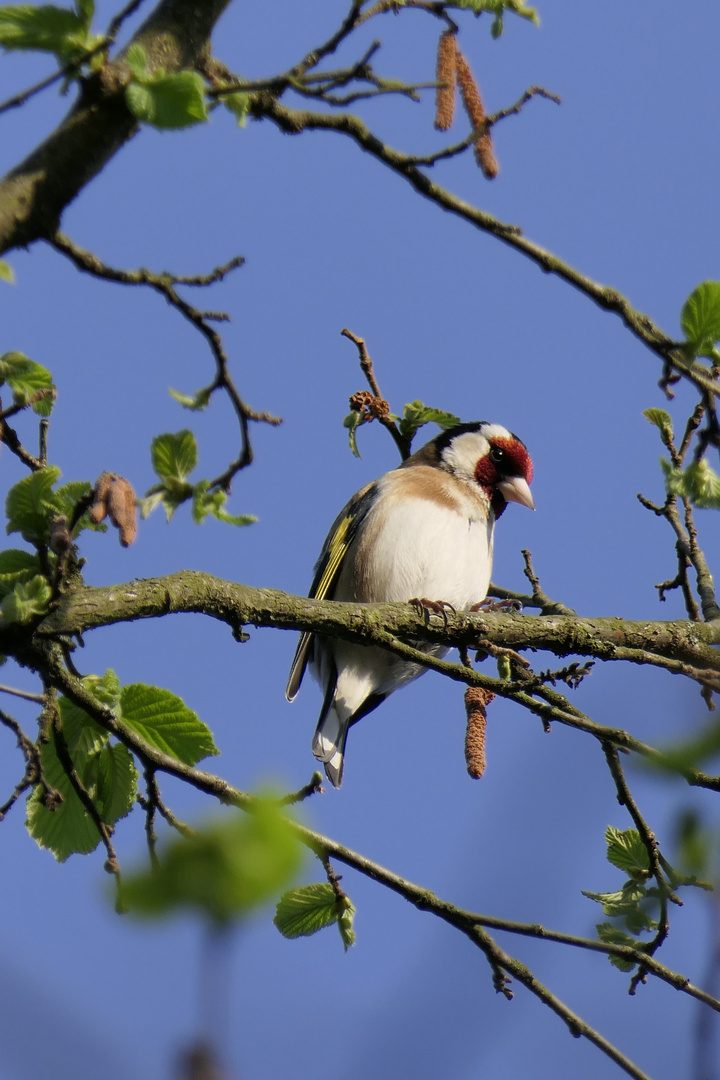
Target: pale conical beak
516, 489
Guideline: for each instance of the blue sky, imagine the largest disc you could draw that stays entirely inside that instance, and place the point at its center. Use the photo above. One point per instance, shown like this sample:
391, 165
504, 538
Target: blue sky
620, 180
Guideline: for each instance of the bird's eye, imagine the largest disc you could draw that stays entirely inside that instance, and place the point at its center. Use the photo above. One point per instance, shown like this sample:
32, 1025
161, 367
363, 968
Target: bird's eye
496, 455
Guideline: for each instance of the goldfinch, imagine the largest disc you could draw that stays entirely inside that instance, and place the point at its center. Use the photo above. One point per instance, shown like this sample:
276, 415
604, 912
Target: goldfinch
424, 530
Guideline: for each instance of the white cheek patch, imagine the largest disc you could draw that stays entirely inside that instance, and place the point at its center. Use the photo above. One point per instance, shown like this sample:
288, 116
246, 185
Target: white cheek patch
464, 452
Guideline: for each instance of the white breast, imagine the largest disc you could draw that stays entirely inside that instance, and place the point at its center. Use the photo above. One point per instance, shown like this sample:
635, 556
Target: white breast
412, 546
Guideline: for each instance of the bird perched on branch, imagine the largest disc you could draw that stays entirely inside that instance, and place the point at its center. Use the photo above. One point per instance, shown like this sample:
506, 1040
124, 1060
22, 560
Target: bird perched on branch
424, 530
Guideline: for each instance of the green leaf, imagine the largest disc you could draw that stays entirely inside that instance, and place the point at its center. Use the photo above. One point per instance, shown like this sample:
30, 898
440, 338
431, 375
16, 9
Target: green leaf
691, 752
212, 502
626, 850
106, 771
662, 421
46, 28
31, 505
174, 456
303, 911
84, 736
27, 601
416, 415
68, 829
27, 380
700, 317
6, 272
699, 483
104, 687
168, 100
238, 104
85, 10
613, 902
497, 7
169, 496
16, 567
696, 847
225, 871
626, 904
613, 936
165, 722
196, 402
116, 783
352, 422
136, 60
69, 495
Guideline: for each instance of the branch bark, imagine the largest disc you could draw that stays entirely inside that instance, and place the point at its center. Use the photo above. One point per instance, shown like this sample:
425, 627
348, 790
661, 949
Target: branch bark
237, 605
34, 194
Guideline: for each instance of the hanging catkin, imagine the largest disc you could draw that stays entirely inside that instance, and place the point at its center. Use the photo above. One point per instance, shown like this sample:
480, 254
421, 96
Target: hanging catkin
445, 75
476, 111
476, 700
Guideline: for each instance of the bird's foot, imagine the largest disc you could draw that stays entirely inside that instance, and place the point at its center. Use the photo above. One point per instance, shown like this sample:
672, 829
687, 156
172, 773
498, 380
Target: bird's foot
426, 607
489, 606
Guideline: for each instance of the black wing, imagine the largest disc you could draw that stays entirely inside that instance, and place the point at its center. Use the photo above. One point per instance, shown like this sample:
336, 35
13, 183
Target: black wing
327, 570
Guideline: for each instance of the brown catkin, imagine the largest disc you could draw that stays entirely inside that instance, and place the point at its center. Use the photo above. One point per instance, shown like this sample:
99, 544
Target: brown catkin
98, 510
476, 111
476, 700
59, 535
445, 74
122, 510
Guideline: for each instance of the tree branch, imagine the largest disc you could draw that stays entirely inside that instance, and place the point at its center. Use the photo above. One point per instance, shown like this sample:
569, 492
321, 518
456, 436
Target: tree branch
470, 923
295, 121
34, 194
88, 608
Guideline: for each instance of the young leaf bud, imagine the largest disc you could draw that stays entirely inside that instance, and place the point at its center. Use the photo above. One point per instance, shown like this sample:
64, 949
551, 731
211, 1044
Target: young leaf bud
59, 535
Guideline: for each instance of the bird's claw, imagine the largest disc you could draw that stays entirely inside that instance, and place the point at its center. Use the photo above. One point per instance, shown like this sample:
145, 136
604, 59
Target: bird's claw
489, 605
426, 607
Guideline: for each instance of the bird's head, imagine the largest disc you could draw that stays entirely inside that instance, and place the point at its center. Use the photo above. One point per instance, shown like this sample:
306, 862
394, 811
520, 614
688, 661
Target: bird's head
492, 457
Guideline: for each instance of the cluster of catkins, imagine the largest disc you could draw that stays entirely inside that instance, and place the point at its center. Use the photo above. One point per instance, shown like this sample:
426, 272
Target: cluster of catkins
114, 498
453, 69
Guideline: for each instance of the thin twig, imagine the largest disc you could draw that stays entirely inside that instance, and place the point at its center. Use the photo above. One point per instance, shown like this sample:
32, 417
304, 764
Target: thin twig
114, 28
314, 787
105, 831
33, 765
294, 121
429, 160
25, 694
650, 844
469, 924
366, 364
164, 283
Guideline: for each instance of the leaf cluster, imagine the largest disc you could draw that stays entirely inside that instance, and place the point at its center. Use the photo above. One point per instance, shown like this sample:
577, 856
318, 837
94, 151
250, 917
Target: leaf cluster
498, 8
634, 906
104, 766
29, 383
162, 99
415, 415
223, 872
174, 457
47, 28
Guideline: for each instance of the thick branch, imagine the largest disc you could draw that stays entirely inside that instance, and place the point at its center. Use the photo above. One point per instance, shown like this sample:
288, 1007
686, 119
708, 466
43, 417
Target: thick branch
239, 605
35, 193
470, 923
